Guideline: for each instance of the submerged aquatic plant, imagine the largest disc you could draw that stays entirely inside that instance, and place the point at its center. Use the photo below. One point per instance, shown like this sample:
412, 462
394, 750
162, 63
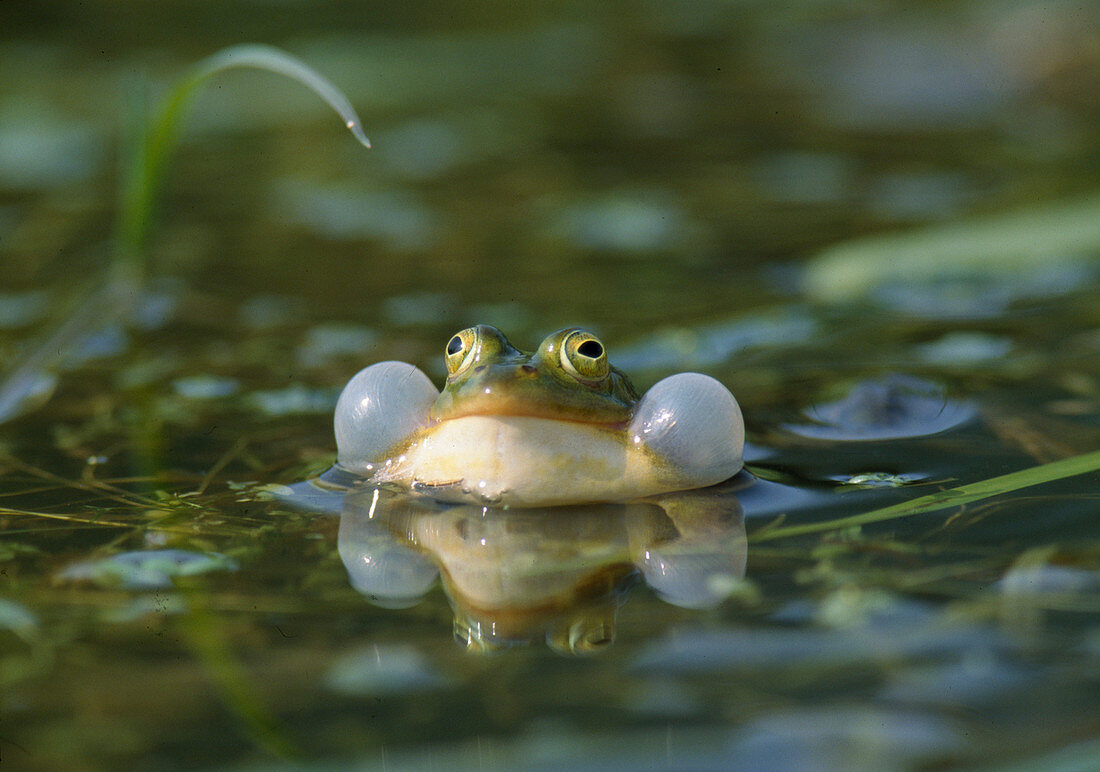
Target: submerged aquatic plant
32, 376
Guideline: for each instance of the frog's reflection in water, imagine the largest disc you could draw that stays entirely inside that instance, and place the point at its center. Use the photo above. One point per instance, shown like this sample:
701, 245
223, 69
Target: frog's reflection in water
515, 576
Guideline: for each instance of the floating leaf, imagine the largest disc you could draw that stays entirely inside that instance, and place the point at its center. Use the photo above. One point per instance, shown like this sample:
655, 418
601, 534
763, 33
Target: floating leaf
383, 669
1053, 240
16, 618
147, 569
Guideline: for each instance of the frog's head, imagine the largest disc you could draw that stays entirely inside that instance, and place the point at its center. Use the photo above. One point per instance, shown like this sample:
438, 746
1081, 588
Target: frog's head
567, 379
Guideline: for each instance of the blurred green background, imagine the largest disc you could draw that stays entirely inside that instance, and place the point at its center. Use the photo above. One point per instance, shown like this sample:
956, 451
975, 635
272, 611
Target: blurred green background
795, 197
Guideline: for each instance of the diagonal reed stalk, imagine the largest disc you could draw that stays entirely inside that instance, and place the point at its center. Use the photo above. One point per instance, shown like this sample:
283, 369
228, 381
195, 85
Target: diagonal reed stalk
964, 494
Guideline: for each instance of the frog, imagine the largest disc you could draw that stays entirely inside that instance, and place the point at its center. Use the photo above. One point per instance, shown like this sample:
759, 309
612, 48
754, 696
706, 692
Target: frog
557, 426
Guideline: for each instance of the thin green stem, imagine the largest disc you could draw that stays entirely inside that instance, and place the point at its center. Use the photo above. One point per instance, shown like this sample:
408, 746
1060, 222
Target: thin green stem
964, 494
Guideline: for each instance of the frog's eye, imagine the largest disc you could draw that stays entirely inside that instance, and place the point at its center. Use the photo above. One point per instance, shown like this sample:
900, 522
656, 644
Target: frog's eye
459, 348
583, 356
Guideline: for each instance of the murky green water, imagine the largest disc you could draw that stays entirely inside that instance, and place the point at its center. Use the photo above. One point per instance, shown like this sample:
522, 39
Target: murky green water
692, 181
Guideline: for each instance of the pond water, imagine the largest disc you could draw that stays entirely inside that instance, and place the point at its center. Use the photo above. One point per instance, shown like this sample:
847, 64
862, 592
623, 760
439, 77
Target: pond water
879, 227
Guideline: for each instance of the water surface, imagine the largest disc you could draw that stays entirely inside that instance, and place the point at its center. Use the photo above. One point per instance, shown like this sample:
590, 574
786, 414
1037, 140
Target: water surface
696, 183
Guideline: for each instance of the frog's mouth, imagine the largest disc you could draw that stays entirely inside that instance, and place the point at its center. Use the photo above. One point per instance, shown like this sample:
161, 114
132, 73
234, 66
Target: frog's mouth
550, 414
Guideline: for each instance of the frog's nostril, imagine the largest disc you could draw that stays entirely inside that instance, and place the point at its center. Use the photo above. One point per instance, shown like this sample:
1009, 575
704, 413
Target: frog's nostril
528, 368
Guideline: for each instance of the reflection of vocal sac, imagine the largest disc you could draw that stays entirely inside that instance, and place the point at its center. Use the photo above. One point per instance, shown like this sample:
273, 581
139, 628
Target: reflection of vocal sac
515, 575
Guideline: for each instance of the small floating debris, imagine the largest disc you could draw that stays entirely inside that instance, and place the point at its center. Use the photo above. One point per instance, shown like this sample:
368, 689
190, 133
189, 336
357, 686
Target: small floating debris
419, 308
26, 393
294, 400
628, 222
396, 218
327, 342
878, 479
843, 737
270, 312
147, 569
41, 150
892, 407
382, 669
205, 387
708, 346
977, 680
19, 309
805, 178
15, 617
108, 341
423, 149
158, 303
962, 349
140, 606
1046, 581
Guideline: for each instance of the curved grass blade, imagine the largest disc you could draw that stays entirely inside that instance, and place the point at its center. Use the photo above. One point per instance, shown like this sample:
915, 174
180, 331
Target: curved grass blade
964, 494
143, 179
30, 379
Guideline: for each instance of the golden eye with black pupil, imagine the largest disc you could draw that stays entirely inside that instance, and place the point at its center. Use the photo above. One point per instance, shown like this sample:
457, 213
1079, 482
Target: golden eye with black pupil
583, 356
459, 348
